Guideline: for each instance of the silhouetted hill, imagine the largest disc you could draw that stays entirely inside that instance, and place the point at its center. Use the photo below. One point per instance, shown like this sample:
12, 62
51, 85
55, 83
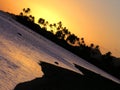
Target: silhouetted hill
57, 78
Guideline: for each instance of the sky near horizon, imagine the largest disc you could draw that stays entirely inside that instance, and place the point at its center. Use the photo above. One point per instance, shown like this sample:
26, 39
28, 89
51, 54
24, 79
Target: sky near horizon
98, 21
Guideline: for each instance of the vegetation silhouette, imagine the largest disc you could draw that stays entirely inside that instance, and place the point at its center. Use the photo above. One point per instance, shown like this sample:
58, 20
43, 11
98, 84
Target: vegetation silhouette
69, 41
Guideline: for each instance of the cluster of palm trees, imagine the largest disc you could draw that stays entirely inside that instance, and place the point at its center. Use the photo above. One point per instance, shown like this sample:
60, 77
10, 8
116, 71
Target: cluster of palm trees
56, 29
25, 13
61, 32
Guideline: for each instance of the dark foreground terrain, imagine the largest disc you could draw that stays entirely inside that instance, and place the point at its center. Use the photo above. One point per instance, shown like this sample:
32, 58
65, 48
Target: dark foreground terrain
57, 78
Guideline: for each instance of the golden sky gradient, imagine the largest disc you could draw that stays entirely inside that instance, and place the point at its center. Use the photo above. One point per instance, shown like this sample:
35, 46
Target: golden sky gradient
98, 21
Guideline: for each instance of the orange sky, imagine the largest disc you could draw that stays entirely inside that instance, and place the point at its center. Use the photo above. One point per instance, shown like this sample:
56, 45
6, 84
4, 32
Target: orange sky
95, 20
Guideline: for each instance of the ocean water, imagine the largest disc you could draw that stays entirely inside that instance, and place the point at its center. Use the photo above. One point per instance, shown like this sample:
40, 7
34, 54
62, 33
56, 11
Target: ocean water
22, 49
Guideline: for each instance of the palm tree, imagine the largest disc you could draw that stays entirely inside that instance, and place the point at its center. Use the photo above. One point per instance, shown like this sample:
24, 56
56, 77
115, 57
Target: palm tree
78, 41
41, 21
23, 9
51, 25
54, 24
91, 45
59, 34
71, 38
54, 27
108, 54
32, 18
66, 32
45, 24
97, 47
82, 41
60, 24
26, 11
59, 27
21, 14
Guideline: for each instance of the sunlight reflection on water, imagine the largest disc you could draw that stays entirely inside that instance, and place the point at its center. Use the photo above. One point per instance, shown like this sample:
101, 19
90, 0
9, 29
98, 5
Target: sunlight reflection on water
15, 65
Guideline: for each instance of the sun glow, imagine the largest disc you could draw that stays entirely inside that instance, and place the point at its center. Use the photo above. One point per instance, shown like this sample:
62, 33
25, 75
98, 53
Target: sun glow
48, 15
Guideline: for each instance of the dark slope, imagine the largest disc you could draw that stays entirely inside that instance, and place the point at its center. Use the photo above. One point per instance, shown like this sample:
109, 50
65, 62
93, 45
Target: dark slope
56, 78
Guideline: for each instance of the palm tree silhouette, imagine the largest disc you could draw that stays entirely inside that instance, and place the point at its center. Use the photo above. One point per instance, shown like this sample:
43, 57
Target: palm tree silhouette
97, 47
82, 41
26, 11
32, 18
59, 34
66, 32
91, 45
21, 14
71, 38
54, 24
41, 21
